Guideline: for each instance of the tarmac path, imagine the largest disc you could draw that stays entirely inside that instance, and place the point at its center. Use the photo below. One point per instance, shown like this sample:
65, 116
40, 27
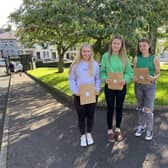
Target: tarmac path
43, 133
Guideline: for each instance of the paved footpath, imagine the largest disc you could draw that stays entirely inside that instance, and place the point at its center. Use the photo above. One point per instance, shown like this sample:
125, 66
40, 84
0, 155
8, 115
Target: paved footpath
4, 83
43, 133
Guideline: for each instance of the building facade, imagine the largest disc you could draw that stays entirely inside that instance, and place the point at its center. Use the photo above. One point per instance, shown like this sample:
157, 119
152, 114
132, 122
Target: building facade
48, 54
8, 45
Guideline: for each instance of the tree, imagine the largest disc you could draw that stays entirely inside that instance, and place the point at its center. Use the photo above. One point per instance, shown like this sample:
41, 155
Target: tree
154, 16
66, 22
52, 21
131, 18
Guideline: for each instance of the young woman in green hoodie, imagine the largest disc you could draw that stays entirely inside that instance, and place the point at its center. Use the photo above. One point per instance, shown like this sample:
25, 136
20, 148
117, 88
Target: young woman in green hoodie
115, 60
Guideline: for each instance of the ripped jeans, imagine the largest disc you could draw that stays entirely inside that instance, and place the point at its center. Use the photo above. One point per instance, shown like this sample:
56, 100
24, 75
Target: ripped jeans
145, 95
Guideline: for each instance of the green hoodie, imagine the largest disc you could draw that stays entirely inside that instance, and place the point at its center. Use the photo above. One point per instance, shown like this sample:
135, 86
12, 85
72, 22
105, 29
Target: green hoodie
114, 64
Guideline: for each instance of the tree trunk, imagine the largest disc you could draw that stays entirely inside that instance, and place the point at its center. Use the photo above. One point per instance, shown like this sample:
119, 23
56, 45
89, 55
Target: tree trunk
61, 60
60, 64
153, 38
97, 47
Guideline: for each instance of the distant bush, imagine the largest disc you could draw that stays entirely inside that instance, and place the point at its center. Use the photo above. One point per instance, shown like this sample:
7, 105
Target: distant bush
52, 64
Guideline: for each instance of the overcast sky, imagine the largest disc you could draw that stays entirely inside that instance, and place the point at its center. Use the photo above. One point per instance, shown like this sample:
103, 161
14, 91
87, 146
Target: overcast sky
6, 7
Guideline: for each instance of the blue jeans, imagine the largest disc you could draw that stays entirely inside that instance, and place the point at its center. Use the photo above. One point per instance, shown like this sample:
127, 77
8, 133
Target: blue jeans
145, 95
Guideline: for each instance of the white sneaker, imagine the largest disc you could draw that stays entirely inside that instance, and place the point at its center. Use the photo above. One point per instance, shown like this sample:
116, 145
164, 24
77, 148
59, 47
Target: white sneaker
83, 141
149, 135
90, 140
139, 131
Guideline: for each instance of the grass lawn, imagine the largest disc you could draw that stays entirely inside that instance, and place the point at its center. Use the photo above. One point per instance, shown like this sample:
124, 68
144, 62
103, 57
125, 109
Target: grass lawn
60, 81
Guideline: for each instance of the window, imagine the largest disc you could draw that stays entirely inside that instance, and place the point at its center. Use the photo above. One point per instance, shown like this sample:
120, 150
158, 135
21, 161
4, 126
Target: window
53, 55
38, 55
11, 43
73, 48
67, 56
44, 54
47, 53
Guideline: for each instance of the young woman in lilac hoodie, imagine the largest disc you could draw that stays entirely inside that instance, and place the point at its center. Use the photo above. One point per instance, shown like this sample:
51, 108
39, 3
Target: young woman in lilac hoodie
85, 70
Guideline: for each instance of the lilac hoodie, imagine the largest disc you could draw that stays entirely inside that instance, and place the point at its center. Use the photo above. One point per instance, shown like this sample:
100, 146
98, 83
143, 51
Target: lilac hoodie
79, 75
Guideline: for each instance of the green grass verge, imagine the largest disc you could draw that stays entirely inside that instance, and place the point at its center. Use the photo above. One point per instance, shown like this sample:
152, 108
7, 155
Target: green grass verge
60, 81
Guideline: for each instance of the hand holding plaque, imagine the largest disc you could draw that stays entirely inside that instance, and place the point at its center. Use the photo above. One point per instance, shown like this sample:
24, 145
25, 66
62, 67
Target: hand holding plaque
115, 80
87, 94
141, 75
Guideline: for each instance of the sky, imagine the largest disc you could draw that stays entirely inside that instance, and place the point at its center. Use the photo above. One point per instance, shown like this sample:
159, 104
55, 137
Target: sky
6, 7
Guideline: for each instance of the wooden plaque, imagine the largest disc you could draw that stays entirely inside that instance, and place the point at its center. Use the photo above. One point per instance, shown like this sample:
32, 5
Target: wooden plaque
87, 94
141, 74
116, 80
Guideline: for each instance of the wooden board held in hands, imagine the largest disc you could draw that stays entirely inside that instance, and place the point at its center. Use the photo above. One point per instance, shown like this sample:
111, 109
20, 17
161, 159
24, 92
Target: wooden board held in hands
141, 74
116, 79
87, 94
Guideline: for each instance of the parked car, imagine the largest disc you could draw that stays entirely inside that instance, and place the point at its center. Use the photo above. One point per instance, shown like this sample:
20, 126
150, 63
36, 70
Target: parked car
18, 67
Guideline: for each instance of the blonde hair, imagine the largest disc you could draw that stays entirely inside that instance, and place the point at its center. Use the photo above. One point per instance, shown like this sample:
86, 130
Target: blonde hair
122, 51
79, 59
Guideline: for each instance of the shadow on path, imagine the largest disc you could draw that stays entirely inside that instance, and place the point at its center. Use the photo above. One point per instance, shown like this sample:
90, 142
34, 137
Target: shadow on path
44, 134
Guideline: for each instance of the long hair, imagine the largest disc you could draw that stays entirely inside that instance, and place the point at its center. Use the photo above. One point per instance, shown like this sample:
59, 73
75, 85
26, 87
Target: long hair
122, 51
146, 41
79, 58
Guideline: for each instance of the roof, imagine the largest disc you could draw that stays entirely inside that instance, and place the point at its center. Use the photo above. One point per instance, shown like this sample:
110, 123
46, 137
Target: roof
11, 35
